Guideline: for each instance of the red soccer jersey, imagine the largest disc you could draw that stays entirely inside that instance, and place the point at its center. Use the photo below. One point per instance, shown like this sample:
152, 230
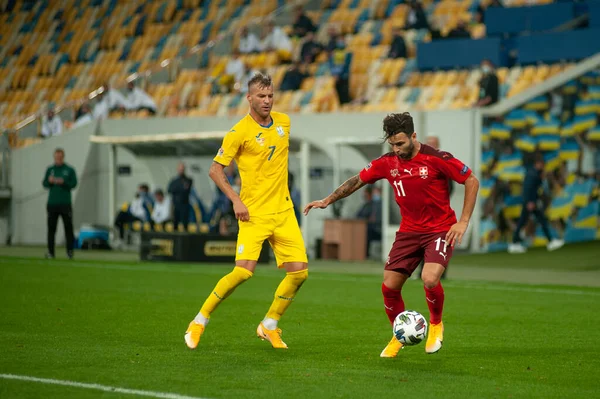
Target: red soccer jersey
420, 186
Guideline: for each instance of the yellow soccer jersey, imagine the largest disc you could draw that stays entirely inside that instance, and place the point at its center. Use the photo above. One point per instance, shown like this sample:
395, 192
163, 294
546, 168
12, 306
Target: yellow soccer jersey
261, 154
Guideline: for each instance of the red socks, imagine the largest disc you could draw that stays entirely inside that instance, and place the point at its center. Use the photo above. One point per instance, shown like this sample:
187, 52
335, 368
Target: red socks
392, 300
435, 301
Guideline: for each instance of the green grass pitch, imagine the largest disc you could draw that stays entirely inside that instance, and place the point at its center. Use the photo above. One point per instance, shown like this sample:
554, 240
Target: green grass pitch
121, 323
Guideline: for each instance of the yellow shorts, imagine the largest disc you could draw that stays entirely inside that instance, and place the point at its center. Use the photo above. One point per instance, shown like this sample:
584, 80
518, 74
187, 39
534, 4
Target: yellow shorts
283, 233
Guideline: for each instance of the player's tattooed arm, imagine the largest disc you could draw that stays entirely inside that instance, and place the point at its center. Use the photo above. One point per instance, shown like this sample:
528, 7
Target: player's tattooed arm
347, 188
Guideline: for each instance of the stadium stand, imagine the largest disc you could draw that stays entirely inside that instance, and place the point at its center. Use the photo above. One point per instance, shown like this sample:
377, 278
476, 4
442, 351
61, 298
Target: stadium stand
47, 56
562, 126
61, 52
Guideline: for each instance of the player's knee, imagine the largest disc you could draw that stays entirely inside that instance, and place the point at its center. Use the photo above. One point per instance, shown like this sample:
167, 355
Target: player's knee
241, 273
299, 277
430, 280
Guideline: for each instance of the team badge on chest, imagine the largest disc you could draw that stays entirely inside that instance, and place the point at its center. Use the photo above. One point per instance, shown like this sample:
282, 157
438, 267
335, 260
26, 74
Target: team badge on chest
280, 131
423, 172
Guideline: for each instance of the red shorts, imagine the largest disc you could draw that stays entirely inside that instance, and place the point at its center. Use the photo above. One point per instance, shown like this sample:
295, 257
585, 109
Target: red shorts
410, 249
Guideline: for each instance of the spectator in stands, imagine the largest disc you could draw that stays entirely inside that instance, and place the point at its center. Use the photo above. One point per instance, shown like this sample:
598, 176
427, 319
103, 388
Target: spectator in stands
101, 107
310, 49
115, 100
296, 200
371, 212
180, 188
60, 179
588, 164
162, 208
460, 31
138, 99
339, 66
532, 183
398, 46
556, 103
293, 78
234, 71
302, 23
275, 39
334, 38
85, 116
416, 18
249, 43
52, 125
488, 85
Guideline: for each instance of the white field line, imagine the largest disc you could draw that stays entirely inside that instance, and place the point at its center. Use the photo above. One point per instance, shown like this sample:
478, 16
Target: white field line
97, 387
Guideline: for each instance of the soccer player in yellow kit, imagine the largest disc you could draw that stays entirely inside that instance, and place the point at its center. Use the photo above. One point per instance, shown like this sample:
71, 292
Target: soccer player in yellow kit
259, 143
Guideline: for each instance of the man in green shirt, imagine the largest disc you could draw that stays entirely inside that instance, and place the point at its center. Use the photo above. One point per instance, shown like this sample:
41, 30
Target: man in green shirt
60, 179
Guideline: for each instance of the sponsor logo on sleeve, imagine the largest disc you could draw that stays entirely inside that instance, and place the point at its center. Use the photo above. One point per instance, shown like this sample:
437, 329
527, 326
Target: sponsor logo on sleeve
220, 152
464, 170
368, 166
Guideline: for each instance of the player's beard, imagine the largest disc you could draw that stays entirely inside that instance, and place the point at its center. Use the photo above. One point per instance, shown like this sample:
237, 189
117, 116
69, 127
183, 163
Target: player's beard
408, 154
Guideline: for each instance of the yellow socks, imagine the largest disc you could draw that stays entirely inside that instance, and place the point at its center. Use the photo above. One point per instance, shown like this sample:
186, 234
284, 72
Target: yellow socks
222, 290
284, 295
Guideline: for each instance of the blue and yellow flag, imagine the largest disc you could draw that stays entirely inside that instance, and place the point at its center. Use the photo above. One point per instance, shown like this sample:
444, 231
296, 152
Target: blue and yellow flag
517, 119
500, 131
586, 107
594, 134
587, 217
561, 207
551, 126
512, 206
526, 143
552, 161
582, 123
569, 150
548, 142
539, 103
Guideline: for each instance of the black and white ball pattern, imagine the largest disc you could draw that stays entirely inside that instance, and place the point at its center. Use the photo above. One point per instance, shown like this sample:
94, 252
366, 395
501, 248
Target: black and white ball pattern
410, 327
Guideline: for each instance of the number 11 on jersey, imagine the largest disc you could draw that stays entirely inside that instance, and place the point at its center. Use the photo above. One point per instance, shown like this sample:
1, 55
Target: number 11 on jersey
399, 188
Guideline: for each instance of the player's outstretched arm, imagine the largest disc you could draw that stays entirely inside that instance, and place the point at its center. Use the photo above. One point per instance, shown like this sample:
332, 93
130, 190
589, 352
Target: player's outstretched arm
347, 188
217, 174
457, 231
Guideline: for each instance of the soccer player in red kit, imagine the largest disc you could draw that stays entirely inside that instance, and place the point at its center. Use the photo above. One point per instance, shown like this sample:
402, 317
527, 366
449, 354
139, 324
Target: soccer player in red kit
419, 176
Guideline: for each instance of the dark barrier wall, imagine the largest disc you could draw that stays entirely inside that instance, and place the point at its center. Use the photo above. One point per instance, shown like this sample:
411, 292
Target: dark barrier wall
457, 53
553, 47
183, 247
527, 19
594, 14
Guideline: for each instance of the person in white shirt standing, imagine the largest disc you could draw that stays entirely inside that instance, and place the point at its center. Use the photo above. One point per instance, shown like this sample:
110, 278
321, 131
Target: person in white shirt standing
275, 39
248, 42
52, 125
139, 100
162, 208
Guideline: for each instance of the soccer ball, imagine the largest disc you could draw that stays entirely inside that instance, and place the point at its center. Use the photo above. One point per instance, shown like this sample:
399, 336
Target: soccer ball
410, 327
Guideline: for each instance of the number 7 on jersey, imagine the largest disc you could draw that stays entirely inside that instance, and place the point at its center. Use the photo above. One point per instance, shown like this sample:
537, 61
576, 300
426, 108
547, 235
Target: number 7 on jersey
272, 148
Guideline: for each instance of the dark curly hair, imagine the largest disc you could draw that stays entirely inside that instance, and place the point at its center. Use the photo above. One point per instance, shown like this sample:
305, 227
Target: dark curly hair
398, 123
